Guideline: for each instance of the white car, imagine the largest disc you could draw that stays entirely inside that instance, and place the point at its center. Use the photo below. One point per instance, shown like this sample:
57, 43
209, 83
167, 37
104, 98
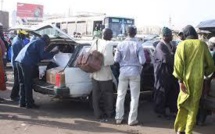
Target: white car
77, 83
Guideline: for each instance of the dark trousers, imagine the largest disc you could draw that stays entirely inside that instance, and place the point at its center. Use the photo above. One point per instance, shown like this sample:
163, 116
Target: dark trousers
26, 75
15, 90
166, 99
103, 98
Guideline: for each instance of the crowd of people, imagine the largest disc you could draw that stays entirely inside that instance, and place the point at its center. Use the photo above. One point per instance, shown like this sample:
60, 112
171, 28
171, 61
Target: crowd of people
179, 73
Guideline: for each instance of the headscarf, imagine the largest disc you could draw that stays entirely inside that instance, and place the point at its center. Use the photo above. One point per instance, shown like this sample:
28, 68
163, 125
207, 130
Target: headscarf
190, 32
211, 43
166, 31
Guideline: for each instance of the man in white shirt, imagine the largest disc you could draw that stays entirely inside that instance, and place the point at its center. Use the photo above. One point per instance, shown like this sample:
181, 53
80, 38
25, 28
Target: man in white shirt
102, 79
130, 55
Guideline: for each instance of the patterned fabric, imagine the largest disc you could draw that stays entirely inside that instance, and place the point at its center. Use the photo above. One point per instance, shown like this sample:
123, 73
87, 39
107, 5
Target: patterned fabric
192, 62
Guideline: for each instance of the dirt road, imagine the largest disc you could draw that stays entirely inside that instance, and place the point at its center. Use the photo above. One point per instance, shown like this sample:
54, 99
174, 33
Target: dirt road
69, 117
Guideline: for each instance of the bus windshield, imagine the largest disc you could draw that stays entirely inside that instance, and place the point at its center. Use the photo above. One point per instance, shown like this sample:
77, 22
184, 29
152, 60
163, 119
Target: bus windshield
118, 25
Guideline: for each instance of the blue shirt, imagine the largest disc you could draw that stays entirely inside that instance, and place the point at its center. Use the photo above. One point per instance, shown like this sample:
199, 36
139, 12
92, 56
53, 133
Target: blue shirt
33, 53
130, 56
17, 45
26, 41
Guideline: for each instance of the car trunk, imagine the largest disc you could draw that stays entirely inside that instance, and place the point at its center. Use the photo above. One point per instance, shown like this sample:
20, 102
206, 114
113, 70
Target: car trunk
74, 77
66, 47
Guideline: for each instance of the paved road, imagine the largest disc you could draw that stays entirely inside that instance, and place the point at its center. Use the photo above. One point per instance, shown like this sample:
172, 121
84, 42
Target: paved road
70, 117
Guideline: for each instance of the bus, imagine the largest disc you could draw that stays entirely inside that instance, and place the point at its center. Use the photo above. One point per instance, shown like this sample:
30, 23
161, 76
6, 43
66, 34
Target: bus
86, 25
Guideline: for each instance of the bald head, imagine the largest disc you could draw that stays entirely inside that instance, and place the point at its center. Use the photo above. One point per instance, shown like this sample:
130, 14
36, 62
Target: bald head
131, 31
107, 34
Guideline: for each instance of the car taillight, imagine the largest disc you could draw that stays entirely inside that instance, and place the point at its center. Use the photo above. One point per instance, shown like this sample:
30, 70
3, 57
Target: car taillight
60, 79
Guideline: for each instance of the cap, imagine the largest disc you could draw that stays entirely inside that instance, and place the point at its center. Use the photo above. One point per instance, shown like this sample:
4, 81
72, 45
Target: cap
212, 40
22, 32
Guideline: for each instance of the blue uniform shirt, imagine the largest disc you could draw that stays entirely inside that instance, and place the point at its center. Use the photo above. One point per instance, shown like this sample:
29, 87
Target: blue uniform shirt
33, 53
17, 45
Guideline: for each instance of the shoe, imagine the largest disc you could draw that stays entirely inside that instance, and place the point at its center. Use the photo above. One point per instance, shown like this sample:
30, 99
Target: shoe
133, 123
22, 105
33, 106
2, 99
16, 99
118, 121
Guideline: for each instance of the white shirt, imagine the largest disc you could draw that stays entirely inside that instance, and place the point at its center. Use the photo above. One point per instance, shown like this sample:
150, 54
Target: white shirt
106, 48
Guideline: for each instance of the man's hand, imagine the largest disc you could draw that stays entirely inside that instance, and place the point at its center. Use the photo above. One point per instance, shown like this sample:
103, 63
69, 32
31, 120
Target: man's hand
182, 87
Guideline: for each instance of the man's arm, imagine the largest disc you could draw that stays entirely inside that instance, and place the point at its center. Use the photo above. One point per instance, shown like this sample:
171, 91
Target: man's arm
141, 55
44, 54
179, 63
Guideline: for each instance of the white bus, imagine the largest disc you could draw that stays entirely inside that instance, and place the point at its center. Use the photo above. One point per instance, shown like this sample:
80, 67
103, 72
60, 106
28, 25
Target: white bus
86, 25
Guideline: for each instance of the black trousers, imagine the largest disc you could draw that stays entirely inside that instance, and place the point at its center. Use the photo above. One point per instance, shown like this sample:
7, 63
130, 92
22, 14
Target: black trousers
15, 90
26, 75
103, 98
166, 99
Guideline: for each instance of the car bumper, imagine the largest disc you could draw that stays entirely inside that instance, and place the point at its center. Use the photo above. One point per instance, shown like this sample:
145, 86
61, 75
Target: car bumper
45, 88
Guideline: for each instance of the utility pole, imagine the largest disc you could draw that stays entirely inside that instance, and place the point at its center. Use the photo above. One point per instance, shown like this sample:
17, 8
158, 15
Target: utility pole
2, 1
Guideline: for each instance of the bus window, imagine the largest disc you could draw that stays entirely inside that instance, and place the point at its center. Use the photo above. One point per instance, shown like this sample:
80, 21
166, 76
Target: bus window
97, 25
118, 25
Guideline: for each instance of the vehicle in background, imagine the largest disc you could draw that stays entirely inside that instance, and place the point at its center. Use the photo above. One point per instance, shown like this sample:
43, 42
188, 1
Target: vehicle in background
86, 25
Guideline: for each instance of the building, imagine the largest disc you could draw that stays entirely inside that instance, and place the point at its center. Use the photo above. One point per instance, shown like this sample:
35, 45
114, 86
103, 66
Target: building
4, 19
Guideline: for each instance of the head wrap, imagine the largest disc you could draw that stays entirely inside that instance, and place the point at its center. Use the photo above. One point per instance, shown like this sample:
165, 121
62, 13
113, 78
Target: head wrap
211, 43
190, 32
166, 31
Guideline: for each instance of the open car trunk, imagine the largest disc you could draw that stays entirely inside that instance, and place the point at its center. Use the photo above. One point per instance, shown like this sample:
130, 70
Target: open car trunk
60, 60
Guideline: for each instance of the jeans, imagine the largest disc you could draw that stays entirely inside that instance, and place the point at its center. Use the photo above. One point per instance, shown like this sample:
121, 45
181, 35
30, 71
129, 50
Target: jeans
26, 76
134, 83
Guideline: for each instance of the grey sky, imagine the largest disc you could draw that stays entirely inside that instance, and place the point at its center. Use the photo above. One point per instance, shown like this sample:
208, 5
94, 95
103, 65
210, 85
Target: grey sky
146, 12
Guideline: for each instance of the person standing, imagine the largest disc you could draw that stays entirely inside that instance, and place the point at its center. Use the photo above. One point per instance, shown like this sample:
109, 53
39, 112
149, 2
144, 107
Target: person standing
193, 61
17, 45
102, 79
130, 56
27, 61
4, 47
166, 85
2, 72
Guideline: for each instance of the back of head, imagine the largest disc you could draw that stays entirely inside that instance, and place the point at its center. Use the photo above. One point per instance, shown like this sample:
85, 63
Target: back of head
131, 31
190, 32
211, 43
107, 34
46, 38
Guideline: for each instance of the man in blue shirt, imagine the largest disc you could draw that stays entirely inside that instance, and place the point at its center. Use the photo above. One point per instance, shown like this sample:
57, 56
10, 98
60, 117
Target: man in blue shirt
27, 61
130, 56
17, 45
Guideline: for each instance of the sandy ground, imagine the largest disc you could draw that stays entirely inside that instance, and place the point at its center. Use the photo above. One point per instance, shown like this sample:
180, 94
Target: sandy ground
72, 117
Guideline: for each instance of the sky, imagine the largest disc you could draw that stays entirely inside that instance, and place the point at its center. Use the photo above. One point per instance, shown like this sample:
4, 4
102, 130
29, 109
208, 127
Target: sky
145, 12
